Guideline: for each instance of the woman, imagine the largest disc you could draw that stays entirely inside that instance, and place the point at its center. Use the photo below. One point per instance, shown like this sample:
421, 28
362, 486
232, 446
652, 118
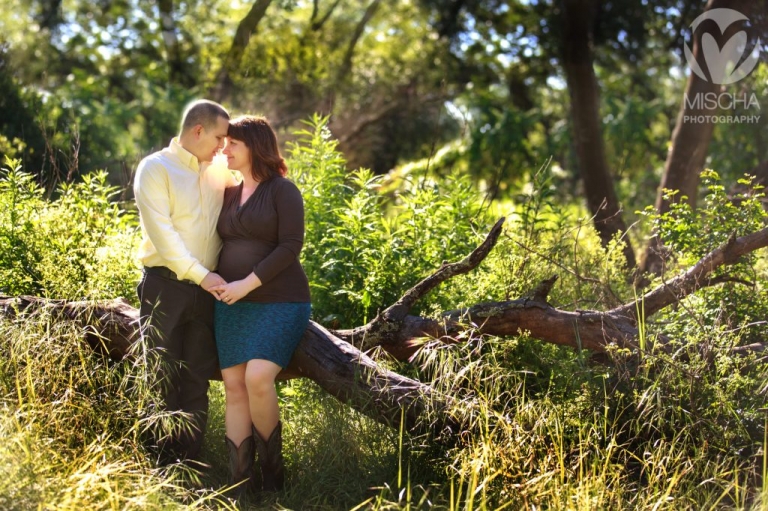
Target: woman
264, 308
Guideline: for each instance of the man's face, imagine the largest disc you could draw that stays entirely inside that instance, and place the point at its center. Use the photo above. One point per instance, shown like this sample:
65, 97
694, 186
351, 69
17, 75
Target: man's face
208, 142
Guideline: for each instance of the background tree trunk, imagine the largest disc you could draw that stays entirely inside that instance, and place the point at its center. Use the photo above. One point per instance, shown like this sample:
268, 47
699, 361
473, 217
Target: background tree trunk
179, 72
245, 30
690, 142
346, 63
578, 17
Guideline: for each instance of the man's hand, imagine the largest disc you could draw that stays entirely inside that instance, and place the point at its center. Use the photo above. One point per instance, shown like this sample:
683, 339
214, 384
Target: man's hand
211, 280
235, 290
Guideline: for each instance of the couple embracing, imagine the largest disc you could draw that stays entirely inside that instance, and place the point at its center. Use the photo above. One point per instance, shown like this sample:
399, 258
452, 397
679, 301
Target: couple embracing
222, 285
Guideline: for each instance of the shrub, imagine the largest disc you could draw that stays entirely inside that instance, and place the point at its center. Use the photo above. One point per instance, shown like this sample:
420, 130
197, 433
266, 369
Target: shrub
363, 250
80, 245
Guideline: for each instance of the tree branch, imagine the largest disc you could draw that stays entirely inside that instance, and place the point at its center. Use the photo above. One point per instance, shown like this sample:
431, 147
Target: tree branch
346, 63
354, 378
399, 309
178, 71
696, 277
390, 320
590, 330
316, 24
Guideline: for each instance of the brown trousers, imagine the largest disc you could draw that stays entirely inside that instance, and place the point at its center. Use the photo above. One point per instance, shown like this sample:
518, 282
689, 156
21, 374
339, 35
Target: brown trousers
177, 320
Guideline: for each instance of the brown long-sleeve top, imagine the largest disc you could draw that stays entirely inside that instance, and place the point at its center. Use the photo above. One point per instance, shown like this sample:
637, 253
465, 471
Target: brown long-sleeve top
265, 236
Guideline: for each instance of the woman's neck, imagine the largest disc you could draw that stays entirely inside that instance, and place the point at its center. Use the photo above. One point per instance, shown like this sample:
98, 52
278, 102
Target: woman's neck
248, 181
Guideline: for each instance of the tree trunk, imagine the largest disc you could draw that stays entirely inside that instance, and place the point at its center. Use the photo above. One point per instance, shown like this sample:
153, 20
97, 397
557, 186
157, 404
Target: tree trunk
448, 17
334, 360
346, 63
179, 72
578, 16
345, 67
316, 22
690, 142
231, 62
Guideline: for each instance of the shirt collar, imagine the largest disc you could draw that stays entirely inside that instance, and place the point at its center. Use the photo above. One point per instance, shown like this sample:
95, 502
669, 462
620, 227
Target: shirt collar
186, 158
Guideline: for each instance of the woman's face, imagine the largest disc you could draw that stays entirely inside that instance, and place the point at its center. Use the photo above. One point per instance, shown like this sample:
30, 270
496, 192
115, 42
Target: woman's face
238, 156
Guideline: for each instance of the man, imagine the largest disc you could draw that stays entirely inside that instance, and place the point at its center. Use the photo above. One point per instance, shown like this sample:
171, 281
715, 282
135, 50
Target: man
179, 194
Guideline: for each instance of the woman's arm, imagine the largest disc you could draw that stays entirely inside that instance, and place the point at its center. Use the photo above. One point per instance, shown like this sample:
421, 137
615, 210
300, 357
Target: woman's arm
290, 233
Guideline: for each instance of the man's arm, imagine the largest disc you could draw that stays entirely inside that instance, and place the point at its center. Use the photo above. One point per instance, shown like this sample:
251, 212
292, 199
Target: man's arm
152, 193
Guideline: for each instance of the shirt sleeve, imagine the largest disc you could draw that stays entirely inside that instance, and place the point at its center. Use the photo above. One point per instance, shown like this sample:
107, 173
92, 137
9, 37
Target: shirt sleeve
153, 198
290, 233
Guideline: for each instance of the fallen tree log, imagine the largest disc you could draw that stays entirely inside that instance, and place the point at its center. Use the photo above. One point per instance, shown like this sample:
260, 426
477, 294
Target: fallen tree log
337, 362
396, 331
345, 372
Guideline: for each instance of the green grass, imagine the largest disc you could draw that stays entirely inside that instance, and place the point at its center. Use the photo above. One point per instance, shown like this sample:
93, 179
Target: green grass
72, 422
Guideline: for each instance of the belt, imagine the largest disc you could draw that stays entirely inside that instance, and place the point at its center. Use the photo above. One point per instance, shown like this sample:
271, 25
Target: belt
162, 271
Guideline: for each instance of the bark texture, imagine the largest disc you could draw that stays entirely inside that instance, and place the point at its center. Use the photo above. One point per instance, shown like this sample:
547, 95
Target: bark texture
179, 71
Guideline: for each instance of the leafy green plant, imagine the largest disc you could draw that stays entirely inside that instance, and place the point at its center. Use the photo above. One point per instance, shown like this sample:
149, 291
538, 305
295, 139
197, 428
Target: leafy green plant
79, 245
737, 300
363, 250
21, 204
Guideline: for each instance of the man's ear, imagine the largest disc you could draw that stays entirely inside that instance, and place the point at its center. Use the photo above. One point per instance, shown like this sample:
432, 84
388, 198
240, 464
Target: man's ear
198, 130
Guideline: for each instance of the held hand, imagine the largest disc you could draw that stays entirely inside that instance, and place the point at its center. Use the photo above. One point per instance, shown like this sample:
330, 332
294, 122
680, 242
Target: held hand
210, 280
235, 290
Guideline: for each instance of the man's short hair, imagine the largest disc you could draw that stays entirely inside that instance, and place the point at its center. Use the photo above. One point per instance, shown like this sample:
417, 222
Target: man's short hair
202, 112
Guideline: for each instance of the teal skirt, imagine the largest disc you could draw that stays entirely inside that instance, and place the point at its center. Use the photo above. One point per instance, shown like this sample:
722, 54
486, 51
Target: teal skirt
267, 331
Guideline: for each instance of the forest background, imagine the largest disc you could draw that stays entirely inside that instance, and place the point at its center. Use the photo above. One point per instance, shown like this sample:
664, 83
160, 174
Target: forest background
565, 116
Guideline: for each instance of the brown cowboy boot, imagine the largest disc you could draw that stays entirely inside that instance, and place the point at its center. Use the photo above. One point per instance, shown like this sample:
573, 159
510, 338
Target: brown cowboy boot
241, 461
271, 459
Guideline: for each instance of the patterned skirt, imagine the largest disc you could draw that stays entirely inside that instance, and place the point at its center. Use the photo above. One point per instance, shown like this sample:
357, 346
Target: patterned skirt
250, 330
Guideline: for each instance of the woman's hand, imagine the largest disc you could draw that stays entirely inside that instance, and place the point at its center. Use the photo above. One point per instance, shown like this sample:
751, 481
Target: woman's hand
235, 290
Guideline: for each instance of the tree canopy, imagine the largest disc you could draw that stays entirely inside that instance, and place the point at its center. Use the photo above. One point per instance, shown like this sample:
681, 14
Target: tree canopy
493, 90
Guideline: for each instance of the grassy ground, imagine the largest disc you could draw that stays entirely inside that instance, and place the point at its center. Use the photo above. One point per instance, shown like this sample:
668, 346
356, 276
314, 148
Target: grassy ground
72, 424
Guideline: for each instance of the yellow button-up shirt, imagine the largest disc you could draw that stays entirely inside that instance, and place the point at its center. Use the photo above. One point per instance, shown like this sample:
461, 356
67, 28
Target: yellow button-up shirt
179, 203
